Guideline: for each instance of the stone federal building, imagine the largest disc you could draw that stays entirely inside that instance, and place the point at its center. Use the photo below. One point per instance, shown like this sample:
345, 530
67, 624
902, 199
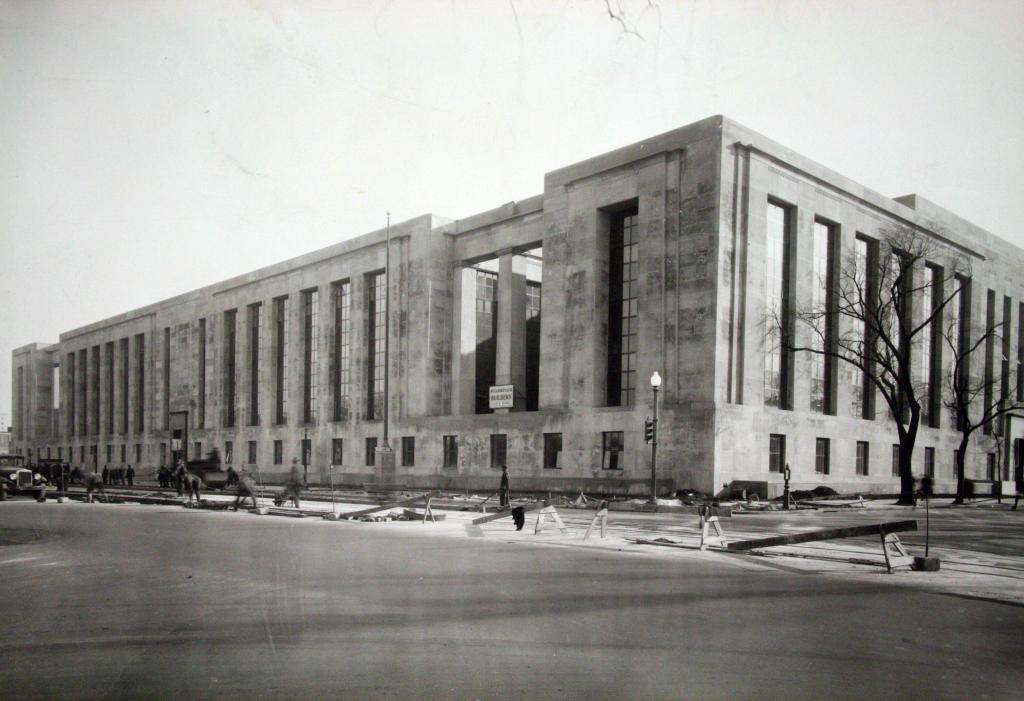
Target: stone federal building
659, 256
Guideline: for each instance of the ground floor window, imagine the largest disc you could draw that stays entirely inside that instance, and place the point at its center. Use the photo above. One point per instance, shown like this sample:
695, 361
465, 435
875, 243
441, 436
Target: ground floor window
278, 452
499, 450
337, 450
408, 451
991, 467
229, 451
929, 462
821, 455
197, 450
552, 451
306, 449
776, 452
138, 453
862, 457
895, 459
252, 452
451, 451
124, 453
163, 453
612, 447
371, 452
110, 452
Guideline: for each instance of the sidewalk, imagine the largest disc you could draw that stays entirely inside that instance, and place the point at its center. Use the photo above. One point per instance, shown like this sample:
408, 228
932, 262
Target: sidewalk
965, 571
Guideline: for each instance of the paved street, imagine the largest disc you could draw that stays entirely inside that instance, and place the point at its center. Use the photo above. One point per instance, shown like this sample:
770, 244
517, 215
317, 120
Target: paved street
126, 601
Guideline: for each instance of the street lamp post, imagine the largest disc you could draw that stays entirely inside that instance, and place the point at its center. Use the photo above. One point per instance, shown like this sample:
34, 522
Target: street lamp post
655, 386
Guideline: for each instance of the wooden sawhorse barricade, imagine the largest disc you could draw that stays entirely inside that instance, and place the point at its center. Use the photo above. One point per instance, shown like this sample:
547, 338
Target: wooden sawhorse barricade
895, 554
545, 512
427, 497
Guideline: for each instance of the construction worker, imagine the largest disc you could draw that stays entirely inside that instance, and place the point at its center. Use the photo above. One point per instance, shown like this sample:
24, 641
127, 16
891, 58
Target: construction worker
41, 482
192, 484
94, 483
503, 492
179, 476
246, 489
293, 487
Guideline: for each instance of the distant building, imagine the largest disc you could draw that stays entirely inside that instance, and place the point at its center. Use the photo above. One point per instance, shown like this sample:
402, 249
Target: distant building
660, 256
5, 441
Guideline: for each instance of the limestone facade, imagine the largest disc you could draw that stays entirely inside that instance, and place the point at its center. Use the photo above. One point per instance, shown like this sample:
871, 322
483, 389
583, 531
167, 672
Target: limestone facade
462, 319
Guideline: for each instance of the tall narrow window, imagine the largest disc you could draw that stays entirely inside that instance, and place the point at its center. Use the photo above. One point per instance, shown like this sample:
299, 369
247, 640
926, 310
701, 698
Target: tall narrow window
929, 462
822, 455
991, 473
823, 334
1004, 366
83, 366
532, 351
931, 348
281, 360
375, 346
108, 355
485, 359
777, 317
55, 383
252, 453
310, 354
201, 376
229, 451
990, 349
895, 459
337, 451
1020, 352
165, 419
69, 360
341, 294
230, 378
623, 311
862, 391
94, 377
371, 451
278, 452
959, 309
255, 340
140, 383
20, 411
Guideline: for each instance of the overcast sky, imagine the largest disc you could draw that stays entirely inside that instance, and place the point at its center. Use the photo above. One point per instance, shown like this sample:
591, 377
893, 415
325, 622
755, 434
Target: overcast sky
149, 148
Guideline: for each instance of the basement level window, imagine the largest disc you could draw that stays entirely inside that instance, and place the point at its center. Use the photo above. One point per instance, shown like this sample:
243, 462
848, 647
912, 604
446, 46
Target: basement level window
776, 452
451, 451
612, 447
552, 451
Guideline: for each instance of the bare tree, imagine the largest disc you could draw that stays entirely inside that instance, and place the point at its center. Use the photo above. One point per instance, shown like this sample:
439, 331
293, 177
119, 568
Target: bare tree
881, 306
977, 399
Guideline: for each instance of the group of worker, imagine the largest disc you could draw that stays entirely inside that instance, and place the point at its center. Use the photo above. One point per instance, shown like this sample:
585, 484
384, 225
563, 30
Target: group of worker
118, 475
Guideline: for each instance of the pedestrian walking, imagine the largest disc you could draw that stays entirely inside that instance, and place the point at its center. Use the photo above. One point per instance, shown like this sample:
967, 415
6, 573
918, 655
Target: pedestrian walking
129, 474
503, 492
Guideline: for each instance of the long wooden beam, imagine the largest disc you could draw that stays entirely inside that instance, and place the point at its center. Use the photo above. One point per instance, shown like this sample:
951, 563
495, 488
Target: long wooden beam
825, 534
391, 505
508, 512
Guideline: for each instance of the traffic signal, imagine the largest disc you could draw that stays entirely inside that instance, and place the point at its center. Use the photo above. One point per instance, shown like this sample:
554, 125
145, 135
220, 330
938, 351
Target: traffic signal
648, 430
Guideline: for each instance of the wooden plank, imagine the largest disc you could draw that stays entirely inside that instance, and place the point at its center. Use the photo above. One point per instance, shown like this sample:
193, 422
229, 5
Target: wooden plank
503, 514
825, 534
391, 505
